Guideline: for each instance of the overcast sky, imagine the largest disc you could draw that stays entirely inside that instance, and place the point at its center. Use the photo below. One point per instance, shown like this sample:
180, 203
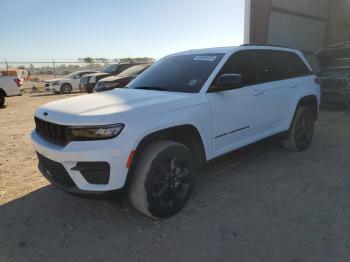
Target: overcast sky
35, 29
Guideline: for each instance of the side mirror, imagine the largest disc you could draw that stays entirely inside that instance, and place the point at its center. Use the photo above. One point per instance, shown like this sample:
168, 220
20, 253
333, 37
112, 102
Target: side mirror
228, 81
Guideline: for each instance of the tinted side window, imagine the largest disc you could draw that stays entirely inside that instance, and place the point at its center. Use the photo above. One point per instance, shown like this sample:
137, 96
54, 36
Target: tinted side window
296, 67
279, 65
243, 63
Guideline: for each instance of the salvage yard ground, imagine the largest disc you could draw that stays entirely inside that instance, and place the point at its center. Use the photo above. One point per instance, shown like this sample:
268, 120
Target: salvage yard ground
259, 204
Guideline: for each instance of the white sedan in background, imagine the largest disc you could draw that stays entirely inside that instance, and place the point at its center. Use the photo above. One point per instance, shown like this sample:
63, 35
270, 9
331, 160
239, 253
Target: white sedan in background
68, 83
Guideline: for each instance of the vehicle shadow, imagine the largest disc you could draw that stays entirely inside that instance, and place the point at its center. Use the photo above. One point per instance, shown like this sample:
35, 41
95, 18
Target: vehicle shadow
44, 94
50, 225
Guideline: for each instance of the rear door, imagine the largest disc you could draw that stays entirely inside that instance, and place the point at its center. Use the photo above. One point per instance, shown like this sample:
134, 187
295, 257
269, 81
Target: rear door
280, 74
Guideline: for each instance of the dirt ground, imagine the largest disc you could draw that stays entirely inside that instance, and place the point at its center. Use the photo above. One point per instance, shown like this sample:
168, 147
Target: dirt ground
259, 204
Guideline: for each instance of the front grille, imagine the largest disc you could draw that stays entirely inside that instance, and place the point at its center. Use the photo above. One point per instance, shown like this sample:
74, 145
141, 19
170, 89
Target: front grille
55, 171
94, 172
54, 133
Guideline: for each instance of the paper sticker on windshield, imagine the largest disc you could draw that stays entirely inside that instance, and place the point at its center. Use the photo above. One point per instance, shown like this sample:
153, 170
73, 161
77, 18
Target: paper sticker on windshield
193, 82
205, 58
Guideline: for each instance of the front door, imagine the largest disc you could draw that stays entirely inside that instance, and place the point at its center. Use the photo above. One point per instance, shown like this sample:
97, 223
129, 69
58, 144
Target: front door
236, 114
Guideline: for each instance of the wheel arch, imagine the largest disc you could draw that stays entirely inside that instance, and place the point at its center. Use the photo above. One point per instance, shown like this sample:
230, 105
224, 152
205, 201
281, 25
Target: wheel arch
66, 83
309, 101
187, 135
2, 91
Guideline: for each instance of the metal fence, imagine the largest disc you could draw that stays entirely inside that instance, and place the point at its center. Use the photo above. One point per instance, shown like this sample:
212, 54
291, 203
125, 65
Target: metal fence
43, 69
49, 68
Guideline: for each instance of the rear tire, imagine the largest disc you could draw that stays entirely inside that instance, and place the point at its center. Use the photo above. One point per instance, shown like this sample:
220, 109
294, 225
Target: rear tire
66, 89
163, 180
2, 99
302, 130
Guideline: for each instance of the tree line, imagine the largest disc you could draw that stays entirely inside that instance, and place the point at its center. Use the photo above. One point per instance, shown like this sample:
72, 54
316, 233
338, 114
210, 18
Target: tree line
92, 60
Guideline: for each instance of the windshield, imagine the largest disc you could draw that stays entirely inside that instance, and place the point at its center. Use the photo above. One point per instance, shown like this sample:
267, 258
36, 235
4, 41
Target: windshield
71, 75
110, 69
134, 70
179, 73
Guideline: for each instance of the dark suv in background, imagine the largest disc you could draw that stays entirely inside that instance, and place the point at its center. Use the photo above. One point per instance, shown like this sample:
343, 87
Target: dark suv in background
88, 82
120, 80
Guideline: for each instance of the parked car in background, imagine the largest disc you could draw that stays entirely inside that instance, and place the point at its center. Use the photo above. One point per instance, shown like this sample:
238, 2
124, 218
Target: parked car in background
186, 109
68, 83
88, 82
9, 86
120, 80
334, 75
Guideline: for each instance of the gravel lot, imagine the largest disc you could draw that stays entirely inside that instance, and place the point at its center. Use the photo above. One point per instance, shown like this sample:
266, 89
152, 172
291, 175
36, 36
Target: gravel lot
259, 204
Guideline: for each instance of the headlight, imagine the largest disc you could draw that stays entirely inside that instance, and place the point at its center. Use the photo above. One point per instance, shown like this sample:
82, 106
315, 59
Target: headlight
96, 132
55, 83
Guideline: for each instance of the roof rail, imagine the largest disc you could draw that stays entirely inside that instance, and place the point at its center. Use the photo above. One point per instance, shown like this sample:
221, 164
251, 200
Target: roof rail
268, 45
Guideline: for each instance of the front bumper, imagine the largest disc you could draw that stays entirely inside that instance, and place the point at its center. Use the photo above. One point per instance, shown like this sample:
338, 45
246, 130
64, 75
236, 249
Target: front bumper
52, 88
69, 156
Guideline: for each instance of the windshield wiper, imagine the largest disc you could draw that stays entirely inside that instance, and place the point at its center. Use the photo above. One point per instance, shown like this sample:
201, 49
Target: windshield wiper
150, 88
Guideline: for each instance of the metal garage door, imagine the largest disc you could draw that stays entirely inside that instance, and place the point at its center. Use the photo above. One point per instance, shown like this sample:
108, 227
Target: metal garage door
298, 23
303, 33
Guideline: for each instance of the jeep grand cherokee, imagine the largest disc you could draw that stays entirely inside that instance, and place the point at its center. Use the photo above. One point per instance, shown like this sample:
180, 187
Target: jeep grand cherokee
186, 109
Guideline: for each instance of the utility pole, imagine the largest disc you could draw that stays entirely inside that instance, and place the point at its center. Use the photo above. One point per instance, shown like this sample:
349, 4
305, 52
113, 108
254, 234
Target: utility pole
7, 66
54, 68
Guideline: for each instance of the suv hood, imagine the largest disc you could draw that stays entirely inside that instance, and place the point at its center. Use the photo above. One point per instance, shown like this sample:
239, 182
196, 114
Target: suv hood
116, 106
54, 80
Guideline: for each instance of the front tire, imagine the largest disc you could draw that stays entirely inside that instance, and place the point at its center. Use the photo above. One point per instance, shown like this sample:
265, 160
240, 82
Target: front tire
66, 89
302, 130
163, 180
2, 99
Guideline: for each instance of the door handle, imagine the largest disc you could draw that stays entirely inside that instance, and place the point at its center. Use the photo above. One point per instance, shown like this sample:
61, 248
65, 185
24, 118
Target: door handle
258, 92
293, 85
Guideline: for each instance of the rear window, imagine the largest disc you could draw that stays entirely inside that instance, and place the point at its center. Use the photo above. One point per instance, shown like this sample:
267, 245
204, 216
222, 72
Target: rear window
110, 69
280, 65
134, 70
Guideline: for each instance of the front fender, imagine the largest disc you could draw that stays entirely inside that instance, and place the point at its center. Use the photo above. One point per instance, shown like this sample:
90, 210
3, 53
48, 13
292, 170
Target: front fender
197, 117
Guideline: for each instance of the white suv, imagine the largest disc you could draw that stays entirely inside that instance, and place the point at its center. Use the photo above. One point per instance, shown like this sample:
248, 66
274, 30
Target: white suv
186, 109
68, 83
